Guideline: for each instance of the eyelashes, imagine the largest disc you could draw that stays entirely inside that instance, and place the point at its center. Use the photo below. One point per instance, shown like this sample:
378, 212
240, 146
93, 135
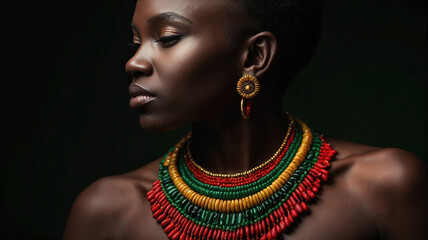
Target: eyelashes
133, 46
167, 41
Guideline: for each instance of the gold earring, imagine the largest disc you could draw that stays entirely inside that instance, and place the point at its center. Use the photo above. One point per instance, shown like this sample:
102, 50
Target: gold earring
248, 87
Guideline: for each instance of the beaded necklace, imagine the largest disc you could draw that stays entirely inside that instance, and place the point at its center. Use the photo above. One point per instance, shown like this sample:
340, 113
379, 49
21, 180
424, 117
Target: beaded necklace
246, 173
192, 203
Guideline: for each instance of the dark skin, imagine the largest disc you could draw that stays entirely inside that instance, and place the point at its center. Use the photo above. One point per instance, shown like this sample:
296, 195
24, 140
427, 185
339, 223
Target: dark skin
188, 64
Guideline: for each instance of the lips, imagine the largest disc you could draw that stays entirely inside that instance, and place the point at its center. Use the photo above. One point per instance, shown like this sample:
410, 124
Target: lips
139, 96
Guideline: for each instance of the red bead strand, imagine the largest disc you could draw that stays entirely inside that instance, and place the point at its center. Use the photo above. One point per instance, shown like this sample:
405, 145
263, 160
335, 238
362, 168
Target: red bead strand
238, 181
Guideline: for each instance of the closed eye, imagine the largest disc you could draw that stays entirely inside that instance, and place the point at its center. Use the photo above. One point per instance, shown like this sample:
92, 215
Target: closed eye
133, 46
168, 41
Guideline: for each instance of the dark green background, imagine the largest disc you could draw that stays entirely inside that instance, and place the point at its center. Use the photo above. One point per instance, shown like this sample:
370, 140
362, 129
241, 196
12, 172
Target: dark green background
65, 96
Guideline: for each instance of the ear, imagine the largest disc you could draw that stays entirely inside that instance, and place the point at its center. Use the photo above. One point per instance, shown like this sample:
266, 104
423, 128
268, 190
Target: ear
259, 52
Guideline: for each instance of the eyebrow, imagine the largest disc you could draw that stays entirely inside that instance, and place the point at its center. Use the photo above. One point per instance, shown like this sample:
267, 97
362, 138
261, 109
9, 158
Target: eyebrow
165, 17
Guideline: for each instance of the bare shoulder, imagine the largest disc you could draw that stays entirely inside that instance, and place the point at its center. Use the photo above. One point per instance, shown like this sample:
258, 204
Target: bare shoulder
99, 210
384, 168
389, 183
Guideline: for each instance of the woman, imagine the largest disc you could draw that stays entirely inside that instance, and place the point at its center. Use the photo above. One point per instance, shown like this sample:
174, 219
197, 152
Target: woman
247, 170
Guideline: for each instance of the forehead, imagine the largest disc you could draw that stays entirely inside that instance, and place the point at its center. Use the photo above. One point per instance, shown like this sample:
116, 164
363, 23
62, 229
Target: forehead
197, 11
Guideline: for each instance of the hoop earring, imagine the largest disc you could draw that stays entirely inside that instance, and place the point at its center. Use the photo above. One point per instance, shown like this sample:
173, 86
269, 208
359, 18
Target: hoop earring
248, 87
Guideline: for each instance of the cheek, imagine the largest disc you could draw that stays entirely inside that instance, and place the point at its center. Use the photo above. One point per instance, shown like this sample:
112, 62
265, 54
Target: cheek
198, 74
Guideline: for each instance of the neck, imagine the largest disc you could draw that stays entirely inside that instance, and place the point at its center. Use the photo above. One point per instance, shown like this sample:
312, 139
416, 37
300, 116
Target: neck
231, 144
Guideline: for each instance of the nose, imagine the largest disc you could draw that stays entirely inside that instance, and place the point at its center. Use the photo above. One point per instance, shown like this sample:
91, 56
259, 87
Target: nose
139, 64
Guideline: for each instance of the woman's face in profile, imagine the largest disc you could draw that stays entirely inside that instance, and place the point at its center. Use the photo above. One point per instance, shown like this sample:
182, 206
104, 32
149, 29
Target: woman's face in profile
185, 61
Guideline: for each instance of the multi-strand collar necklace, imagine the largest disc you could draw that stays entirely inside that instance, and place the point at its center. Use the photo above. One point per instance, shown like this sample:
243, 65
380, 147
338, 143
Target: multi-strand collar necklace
192, 203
